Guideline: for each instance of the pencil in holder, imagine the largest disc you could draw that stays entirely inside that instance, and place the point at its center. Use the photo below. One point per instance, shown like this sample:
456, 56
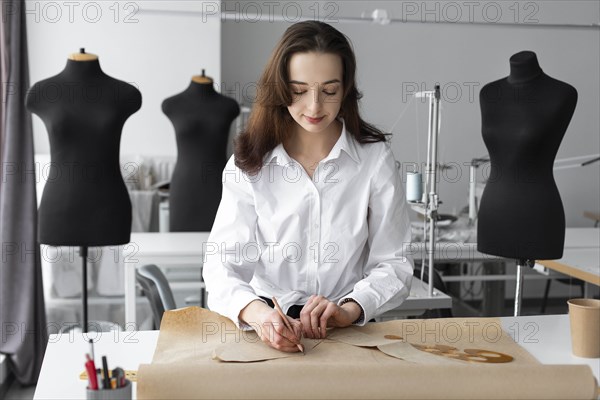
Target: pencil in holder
122, 393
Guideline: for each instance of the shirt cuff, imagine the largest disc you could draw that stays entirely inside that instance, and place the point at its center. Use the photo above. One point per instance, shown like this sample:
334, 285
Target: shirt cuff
240, 301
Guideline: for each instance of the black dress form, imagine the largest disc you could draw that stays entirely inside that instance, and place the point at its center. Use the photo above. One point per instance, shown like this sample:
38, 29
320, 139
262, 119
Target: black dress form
85, 201
524, 118
201, 118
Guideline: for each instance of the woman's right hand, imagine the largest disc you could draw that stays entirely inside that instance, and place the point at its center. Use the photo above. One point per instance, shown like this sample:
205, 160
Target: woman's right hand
271, 329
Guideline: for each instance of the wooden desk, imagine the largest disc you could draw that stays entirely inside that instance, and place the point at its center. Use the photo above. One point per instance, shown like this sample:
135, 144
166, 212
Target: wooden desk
594, 216
546, 337
581, 259
581, 255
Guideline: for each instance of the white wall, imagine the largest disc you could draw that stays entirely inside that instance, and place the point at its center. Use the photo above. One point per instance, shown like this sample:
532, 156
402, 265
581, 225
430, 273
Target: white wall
156, 52
462, 58
159, 52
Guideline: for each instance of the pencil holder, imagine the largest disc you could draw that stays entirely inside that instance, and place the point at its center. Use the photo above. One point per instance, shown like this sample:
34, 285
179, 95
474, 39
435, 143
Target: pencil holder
122, 393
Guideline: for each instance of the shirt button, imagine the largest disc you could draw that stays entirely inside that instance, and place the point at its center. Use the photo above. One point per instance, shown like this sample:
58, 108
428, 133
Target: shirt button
316, 225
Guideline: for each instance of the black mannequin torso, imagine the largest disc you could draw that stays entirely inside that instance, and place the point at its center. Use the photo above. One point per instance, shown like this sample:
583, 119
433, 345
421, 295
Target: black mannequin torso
524, 119
201, 118
85, 201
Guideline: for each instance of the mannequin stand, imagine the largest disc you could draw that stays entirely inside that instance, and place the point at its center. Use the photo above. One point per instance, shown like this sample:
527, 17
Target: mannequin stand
84, 253
519, 289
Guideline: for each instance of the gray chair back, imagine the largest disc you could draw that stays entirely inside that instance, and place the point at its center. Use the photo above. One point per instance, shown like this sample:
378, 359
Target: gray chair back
157, 290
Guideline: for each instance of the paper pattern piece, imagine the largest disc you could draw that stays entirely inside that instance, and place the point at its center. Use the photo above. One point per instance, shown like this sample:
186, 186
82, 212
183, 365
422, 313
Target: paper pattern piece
183, 366
253, 349
356, 337
394, 345
408, 352
443, 335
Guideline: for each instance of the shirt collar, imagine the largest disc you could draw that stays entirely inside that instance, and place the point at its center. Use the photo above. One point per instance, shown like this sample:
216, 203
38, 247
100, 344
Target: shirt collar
345, 142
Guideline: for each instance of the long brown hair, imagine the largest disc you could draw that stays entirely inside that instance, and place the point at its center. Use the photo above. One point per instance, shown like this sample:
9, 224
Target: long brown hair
270, 122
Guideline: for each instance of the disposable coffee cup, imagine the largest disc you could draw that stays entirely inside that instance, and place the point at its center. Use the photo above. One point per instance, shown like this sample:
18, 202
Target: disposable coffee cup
584, 317
414, 186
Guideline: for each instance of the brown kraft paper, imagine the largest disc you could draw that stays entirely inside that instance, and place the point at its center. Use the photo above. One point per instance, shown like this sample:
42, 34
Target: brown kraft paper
352, 366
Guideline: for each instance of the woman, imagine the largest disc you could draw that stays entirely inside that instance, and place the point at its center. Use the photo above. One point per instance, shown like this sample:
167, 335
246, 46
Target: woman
313, 211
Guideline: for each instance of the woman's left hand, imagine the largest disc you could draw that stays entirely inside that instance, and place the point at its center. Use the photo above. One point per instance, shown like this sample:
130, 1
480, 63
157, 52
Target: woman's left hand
319, 313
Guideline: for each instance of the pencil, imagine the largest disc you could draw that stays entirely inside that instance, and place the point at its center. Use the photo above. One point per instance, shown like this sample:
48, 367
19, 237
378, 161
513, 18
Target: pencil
285, 321
91, 341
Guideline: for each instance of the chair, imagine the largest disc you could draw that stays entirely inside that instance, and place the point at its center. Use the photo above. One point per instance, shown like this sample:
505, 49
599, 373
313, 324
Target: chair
156, 288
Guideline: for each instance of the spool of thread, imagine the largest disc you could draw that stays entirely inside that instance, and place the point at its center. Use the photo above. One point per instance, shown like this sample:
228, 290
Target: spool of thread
414, 186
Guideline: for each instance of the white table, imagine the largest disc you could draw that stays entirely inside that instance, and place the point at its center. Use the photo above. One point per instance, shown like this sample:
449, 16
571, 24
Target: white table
186, 248
452, 252
65, 356
418, 302
546, 337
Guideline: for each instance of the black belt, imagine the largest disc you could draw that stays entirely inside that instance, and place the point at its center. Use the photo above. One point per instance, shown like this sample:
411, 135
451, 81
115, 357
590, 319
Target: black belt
293, 311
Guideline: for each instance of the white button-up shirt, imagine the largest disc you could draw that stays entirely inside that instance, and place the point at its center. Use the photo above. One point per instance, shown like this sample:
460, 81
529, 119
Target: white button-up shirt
345, 233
